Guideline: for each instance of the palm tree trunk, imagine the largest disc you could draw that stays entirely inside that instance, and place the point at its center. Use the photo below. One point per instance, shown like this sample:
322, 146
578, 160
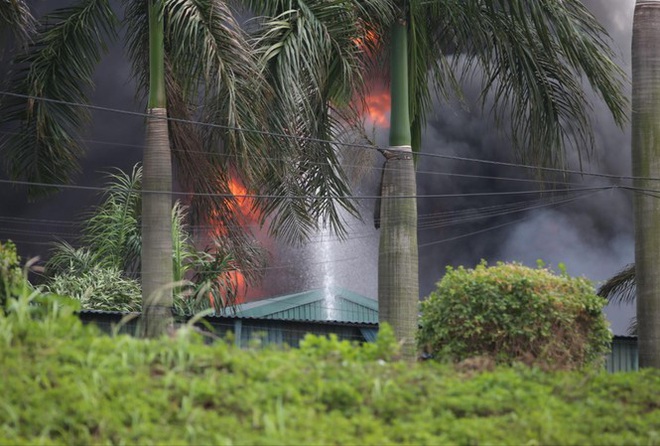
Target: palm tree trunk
157, 184
398, 288
646, 163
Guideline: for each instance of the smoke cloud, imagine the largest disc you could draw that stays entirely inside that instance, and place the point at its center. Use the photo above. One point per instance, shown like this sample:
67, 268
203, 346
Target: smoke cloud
592, 236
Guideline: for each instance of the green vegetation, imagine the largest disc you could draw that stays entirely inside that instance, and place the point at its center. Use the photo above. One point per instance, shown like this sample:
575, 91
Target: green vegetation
11, 275
103, 274
509, 313
64, 383
99, 288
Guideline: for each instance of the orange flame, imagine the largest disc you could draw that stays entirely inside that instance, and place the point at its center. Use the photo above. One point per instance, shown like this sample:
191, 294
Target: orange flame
243, 206
239, 191
241, 287
369, 37
377, 108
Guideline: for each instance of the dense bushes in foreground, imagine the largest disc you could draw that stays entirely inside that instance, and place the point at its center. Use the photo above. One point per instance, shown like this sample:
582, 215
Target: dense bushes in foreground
62, 383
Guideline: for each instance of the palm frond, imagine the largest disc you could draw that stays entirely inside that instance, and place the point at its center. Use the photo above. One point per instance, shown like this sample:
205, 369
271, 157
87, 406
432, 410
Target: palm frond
315, 54
66, 258
213, 46
205, 172
59, 65
182, 244
534, 56
620, 288
429, 53
15, 16
112, 230
632, 327
317, 51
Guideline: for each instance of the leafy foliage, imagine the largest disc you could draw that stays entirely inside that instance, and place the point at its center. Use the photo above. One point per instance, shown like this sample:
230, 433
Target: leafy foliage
621, 289
111, 238
214, 76
509, 313
99, 288
65, 383
530, 58
11, 276
15, 15
58, 64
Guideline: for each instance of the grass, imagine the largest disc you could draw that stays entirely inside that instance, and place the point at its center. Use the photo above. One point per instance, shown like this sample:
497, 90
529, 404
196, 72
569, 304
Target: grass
62, 382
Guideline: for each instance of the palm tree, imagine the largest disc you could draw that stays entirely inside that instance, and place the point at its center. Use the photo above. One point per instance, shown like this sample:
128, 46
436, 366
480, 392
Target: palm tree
200, 67
531, 57
645, 152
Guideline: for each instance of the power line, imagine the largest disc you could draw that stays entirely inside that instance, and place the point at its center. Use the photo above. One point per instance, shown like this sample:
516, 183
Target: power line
303, 197
185, 121
490, 228
503, 213
324, 141
344, 165
492, 212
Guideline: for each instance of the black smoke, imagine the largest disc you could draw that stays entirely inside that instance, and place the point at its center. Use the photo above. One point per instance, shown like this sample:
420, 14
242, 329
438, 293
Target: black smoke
592, 236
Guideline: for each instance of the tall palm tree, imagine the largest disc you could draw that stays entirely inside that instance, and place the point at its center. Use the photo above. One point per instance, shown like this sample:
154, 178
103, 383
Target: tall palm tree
193, 61
646, 164
531, 57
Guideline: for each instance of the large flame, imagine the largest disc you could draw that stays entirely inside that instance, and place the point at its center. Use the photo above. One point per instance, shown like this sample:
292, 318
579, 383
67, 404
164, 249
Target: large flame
243, 206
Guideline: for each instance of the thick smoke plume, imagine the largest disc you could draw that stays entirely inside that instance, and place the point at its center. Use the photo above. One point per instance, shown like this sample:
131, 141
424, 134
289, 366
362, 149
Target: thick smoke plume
592, 236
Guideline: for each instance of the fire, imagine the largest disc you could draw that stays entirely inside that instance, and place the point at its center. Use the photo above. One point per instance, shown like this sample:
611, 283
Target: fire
238, 278
240, 193
369, 37
377, 108
243, 205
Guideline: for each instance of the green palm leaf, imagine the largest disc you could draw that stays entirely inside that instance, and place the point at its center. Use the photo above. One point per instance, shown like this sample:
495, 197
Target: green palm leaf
58, 65
16, 17
112, 230
315, 55
621, 287
532, 55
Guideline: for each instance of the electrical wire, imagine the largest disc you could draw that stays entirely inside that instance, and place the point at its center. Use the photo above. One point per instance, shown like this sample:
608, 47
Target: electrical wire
481, 231
324, 141
301, 197
356, 230
344, 165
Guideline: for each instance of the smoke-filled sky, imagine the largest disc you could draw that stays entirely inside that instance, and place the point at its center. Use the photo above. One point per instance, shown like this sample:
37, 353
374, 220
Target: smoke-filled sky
592, 236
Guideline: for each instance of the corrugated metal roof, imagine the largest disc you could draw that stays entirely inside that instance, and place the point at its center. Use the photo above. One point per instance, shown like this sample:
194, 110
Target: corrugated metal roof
333, 304
320, 305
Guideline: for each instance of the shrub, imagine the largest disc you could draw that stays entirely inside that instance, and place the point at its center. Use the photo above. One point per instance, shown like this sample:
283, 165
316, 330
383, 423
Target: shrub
99, 288
11, 275
510, 313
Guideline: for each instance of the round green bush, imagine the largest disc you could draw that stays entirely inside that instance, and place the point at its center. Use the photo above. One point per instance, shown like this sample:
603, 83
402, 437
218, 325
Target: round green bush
512, 313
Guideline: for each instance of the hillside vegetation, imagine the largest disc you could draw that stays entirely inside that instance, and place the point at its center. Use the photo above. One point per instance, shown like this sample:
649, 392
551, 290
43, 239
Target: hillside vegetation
64, 383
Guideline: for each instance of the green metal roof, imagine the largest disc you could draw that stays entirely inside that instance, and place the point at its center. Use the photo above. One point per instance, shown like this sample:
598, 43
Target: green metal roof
333, 304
